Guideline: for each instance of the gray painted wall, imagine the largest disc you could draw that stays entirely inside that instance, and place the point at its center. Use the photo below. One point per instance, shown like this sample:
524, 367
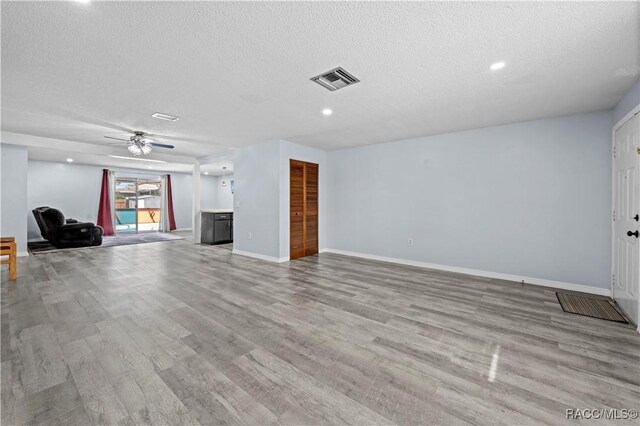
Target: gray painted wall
207, 192
530, 199
257, 176
627, 103
182, 192
213, 195
75, 190
223, 195
13, 194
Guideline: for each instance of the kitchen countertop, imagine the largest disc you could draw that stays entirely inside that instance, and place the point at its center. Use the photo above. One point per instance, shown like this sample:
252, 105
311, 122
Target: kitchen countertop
216, 211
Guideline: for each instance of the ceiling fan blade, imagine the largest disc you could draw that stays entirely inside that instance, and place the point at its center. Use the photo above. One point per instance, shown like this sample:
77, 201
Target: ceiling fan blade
161, 145
118, 139
172, 138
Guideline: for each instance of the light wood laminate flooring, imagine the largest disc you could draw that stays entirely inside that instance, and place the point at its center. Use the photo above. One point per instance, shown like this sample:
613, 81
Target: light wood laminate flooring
176, 333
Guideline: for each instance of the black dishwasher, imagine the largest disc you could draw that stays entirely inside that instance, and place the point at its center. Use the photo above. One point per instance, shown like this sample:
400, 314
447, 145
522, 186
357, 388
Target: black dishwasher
217, 228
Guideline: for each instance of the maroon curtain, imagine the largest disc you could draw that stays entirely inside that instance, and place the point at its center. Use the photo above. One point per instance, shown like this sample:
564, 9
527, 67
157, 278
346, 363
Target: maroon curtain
172, 218
104, 209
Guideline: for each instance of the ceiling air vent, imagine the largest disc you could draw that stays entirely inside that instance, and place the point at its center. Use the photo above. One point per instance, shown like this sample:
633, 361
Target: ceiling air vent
335, 79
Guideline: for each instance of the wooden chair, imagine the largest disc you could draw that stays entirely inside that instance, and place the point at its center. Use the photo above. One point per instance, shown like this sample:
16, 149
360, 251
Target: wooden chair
8, 248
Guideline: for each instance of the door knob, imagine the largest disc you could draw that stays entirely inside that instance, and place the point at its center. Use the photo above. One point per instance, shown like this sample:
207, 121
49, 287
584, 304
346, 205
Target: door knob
632, 234
637, 218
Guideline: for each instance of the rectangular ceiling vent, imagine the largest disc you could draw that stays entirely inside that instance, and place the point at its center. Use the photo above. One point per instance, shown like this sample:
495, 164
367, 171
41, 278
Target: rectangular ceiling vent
167, 117
335, 79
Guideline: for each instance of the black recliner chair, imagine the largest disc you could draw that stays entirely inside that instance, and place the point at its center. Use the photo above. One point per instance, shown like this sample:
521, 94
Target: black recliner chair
66, 233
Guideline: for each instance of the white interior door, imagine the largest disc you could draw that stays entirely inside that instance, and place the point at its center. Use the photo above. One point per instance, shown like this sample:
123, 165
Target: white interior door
626, 253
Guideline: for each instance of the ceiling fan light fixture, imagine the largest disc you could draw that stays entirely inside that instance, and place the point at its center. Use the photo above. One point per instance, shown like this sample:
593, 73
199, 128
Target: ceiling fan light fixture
140, 143
134, 149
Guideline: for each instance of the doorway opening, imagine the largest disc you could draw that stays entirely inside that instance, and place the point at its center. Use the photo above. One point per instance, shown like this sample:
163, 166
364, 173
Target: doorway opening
137, 205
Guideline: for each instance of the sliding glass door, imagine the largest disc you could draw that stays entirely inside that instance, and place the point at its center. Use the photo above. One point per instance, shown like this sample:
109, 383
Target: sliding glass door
137, 205
126, 206
149, 202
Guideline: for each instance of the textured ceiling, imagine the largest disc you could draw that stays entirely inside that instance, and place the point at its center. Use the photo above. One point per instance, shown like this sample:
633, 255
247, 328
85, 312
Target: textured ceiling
238, 73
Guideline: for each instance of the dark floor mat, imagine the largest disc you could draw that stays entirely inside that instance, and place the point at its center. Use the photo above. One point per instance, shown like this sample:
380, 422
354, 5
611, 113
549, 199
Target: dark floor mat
590, 307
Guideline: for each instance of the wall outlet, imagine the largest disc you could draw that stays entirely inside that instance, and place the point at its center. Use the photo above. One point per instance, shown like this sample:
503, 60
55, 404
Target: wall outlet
410, 241
250, 235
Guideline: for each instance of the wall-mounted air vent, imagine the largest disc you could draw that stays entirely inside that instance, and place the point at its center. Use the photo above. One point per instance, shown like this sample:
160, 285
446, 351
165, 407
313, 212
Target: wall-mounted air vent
335, 79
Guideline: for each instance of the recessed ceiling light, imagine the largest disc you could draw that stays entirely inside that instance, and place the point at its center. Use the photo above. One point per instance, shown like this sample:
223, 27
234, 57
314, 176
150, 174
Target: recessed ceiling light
136, 159
69, 160
327, 112
497, 66
83, 1
149, 167
166, 117
206, 173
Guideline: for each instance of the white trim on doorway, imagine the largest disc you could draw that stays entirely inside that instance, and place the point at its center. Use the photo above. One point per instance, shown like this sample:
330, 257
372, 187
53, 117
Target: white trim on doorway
616, 126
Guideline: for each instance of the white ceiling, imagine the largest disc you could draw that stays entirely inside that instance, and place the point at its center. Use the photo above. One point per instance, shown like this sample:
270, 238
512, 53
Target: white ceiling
238, 73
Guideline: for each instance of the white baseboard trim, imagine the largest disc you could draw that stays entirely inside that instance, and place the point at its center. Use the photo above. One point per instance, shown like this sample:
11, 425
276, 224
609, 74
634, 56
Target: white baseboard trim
260, 256
323, 250
486, 274
182, 229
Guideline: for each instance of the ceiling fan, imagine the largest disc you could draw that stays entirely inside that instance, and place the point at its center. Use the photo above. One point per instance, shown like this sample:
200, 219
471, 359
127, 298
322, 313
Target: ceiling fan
141, 143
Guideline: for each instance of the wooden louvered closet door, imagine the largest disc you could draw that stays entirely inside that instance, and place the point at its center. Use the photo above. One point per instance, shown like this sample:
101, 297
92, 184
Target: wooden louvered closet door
311, 209
303, 209
296, 209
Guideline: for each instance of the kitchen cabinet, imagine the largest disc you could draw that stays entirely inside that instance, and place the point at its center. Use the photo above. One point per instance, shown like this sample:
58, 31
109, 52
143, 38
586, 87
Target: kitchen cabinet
216, 227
